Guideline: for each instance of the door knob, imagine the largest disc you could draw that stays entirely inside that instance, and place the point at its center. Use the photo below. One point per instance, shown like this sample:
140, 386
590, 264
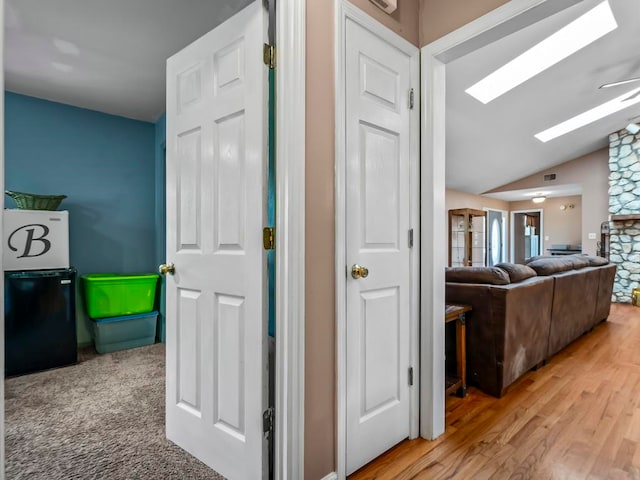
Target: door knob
167, 268
358, 271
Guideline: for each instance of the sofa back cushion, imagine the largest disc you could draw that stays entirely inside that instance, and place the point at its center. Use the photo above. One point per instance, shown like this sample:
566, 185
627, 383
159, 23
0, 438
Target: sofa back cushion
538, 257
516, 271
579, 261
596, 261
549, 266
485, 275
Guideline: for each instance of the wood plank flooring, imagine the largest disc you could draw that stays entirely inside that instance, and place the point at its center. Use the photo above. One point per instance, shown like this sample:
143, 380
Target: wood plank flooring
578, 417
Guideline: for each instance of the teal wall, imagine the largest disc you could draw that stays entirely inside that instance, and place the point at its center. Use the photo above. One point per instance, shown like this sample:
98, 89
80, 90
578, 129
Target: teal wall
271, 202
107, 165
161, 236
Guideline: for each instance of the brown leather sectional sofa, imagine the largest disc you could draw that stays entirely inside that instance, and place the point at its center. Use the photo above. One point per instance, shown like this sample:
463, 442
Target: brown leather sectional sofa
524, 314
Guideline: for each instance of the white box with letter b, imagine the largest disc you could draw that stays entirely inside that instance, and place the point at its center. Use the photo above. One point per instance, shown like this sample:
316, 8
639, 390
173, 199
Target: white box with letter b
35, 240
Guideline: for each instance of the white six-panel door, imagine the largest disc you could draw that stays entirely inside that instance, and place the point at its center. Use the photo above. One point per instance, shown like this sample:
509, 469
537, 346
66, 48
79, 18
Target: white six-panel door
216, 304
378, 154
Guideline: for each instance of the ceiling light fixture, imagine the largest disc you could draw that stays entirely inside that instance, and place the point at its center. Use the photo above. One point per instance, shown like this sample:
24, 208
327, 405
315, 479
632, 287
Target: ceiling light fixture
539, 199
586, 29
590, 116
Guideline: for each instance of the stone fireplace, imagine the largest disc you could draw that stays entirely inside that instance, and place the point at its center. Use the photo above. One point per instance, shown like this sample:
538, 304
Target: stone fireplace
624, 210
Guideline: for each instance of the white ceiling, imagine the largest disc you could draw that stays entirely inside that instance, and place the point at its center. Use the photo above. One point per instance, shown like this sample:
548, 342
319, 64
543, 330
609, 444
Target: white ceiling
491, 145
102, 55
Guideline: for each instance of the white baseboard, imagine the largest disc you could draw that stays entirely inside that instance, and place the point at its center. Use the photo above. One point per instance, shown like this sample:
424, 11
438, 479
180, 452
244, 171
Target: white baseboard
331, 476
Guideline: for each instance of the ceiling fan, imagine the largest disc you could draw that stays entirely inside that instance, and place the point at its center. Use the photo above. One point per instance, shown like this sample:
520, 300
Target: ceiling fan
623, 82
620, 82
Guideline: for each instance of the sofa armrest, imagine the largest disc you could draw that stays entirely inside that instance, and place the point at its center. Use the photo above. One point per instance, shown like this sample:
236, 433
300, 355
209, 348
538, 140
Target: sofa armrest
507, 330
605, 291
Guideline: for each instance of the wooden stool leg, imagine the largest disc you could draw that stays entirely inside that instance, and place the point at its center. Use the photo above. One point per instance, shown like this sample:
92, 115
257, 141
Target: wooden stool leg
461, 354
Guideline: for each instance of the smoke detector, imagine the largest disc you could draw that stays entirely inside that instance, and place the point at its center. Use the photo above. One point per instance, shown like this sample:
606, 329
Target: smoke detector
388, 6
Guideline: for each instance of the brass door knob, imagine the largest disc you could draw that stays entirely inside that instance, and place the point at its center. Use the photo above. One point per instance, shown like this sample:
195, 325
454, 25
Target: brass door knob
358, 271
167, 268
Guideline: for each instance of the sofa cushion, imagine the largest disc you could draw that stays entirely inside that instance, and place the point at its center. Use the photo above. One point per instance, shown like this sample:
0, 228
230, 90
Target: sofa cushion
549, 266
579, 261
596, 261
516, 271
538, 257
487, 275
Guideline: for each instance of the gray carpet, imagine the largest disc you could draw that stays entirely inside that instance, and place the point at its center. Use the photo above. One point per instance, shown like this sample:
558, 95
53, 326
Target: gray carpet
100, 419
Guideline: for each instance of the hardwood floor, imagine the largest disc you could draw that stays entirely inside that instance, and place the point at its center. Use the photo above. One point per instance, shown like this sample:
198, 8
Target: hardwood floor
578, 417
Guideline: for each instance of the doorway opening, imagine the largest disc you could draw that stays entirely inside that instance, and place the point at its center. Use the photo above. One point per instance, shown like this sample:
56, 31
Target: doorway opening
526, 234
272, 193
504, 20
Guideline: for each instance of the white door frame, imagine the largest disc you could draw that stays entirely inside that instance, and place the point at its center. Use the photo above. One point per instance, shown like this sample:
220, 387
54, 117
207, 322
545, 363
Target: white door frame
505, 217
290, 221
290, 227
345, 10
496, 24
512, 234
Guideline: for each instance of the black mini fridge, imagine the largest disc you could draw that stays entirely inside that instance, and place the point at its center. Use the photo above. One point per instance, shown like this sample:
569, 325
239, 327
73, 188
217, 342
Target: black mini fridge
40, 320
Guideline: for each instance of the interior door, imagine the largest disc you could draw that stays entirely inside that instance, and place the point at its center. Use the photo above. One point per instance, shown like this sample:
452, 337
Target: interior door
378, 83
216, 300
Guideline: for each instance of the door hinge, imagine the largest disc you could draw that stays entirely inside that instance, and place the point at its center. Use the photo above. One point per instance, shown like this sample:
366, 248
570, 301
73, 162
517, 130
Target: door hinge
268, 418
411, 95
410, 376
411, 238
269, 55
269, 238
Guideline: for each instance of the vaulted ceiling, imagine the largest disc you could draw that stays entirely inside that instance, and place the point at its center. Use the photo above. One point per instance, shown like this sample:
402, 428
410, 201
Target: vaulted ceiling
493, 144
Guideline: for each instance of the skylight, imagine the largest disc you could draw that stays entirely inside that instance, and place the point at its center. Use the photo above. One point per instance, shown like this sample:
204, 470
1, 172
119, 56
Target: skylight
586, 29
590, 116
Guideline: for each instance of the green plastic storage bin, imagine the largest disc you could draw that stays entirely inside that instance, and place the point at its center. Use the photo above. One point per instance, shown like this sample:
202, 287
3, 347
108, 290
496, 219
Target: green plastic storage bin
112, 295
129, 331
